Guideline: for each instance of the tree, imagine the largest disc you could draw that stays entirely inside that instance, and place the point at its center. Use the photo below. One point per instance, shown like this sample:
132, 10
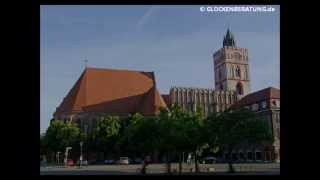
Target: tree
43, 147
107, 133
167, 133
60, 135
180, 132
196, 139
235, 127
141, 135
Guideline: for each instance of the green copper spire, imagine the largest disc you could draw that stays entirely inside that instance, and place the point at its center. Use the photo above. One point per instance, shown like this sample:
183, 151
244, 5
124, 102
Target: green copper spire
228, 39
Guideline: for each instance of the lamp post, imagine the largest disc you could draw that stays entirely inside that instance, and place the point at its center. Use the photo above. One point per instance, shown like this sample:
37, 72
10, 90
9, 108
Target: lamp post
81, 143
58, 157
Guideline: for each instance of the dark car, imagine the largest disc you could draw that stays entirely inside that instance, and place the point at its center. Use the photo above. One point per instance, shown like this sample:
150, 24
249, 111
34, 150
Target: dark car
209, 160
109, 161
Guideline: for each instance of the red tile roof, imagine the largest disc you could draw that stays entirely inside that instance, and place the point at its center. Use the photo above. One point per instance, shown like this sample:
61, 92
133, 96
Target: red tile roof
258, 96
113, 91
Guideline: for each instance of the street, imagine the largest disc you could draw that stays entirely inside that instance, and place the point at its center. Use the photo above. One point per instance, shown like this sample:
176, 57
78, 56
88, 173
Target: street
158, 169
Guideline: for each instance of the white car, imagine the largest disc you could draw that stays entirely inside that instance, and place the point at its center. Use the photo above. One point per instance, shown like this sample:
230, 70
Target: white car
123, 160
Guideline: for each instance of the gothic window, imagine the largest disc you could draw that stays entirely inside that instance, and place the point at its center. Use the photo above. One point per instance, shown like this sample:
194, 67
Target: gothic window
230, 99
177, 96
221, 86
246, 71
232, 71
239, 88
181, 96
189, 97
185, 97
238, 72
227, 99
220, 75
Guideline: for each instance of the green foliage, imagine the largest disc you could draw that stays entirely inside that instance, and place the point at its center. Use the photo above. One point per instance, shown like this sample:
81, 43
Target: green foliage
173, 130
107, 132
142, 134
60, 135
240, 126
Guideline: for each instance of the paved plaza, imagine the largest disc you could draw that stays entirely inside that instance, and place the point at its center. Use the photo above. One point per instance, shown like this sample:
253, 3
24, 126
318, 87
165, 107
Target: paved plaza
160, 169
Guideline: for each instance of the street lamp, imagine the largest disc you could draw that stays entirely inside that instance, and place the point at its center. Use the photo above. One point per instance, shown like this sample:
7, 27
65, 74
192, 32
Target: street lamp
81, 143
58, 157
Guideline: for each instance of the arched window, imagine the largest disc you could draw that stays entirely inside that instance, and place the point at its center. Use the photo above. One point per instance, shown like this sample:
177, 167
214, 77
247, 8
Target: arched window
198, 98
238, 72
202, 97
219, 98
246, 72
239, 88
177, 96
221, 86
189, 97
232, 71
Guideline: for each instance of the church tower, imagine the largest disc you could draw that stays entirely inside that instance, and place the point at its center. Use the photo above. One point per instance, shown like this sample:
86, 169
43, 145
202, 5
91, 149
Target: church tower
231, 67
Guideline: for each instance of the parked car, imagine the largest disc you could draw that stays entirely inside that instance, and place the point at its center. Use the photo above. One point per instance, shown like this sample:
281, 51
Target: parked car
70, 162
138, 160
209, 160
123, 160
109, 161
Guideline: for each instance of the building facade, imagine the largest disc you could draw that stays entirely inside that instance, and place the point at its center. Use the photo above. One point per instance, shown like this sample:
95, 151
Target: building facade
208, 99
266, 103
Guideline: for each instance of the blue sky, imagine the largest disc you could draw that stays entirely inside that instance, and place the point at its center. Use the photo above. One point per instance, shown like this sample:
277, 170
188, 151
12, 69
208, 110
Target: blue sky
176, 42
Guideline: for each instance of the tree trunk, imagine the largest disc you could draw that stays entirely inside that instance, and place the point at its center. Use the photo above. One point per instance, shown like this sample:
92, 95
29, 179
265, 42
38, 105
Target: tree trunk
168, 163
180, 163
196, 161
230, 162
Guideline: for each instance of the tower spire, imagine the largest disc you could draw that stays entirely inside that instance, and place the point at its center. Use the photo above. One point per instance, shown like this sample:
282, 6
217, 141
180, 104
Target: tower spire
228, 39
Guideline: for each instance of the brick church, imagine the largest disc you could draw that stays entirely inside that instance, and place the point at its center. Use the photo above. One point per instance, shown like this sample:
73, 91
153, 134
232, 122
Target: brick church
122, 92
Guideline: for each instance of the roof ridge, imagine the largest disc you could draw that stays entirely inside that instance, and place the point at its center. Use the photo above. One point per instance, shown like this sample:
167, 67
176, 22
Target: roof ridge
114, 69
